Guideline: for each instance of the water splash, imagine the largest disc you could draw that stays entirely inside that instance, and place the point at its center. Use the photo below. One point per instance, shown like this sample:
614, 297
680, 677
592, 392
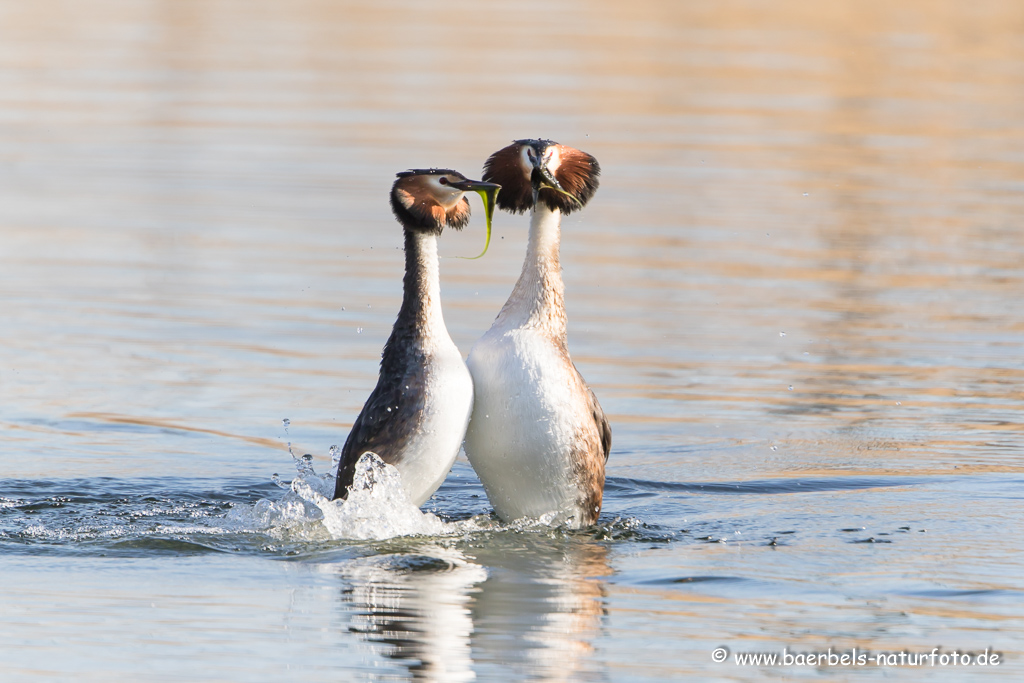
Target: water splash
376, 507
288, 516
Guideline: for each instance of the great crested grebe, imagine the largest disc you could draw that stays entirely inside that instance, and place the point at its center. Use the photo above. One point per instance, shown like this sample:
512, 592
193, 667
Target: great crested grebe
416, 416
538, 438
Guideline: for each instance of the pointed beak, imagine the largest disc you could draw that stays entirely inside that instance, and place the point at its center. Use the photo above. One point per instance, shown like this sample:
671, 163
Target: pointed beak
488, 193
542, 177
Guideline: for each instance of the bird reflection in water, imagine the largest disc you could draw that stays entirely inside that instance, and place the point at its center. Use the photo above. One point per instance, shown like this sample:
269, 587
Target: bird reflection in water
415, 603
541, 606
533, 605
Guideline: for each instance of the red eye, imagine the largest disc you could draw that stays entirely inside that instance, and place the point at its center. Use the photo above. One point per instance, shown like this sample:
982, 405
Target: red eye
443, 180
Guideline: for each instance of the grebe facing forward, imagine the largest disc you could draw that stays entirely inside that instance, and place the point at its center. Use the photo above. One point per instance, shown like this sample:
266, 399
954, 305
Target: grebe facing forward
416, 417
538, 438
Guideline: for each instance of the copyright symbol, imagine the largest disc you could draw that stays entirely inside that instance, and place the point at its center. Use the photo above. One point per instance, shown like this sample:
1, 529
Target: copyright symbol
719, 654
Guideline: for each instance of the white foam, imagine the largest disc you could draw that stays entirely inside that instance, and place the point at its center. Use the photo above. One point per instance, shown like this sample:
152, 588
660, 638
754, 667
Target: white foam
376, 508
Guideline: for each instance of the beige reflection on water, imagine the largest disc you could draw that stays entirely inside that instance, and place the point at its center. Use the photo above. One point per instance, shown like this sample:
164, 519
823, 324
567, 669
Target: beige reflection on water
415, 606
445, 613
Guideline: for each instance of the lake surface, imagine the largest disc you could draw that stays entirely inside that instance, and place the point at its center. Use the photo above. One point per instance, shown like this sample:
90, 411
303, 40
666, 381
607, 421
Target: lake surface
797, 294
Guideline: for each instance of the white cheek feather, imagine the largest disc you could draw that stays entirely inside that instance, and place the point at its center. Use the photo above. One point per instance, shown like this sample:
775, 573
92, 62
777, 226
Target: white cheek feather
552, 158
526, 155
444, 194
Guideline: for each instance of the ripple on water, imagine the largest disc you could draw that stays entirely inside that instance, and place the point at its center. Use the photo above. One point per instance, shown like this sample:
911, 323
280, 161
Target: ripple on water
157, 516
639, 487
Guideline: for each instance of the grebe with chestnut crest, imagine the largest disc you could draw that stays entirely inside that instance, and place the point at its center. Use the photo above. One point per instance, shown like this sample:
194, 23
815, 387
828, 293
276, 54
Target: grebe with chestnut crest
538, 438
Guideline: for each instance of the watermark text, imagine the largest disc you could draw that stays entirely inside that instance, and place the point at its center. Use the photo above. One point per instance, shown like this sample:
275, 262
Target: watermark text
936, 657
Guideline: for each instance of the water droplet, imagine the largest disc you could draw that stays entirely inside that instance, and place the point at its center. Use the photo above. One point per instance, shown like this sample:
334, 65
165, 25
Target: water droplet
791, 387
359, 330
806, 194
775, 448
782, 334
287, 423
389, 409
898, 403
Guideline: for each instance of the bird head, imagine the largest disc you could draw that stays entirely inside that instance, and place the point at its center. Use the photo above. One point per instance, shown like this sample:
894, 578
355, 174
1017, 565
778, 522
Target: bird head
430, 200
542, 171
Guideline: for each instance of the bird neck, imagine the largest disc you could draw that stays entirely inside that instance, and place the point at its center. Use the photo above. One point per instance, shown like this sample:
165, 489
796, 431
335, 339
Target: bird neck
420, 319
538, 299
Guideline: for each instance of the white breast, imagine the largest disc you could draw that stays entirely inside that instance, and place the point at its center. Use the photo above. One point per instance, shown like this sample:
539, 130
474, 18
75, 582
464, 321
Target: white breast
520, 436
449, 401
533, 431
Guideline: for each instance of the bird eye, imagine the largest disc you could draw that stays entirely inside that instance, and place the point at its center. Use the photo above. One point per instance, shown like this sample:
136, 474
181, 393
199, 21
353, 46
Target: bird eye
443, 180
